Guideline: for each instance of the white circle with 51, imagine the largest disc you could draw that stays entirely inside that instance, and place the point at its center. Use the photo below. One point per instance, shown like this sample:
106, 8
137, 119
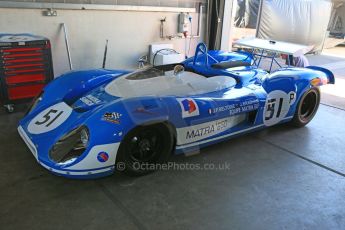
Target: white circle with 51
277, 106
50, 118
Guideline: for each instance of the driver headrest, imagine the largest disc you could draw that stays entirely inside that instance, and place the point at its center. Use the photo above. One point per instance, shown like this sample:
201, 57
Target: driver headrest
230, 64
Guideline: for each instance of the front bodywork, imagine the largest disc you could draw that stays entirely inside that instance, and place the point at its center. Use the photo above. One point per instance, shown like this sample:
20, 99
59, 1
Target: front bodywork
79, 100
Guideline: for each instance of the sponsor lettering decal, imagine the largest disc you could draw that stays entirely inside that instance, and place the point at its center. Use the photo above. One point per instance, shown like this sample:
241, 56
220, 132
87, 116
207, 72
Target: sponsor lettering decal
189, 107
90, 100
237, 108
112, 117
202, 131
102, 157
277, 106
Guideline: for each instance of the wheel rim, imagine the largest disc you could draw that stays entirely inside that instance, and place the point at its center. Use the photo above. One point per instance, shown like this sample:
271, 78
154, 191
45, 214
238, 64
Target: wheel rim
144, 145
308, 106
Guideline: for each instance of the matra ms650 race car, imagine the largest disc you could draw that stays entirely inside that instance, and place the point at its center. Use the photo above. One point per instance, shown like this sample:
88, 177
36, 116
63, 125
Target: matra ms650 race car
84, 122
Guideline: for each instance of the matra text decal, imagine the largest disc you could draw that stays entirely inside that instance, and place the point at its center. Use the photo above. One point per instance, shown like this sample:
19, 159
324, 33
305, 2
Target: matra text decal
198, 132
207, 130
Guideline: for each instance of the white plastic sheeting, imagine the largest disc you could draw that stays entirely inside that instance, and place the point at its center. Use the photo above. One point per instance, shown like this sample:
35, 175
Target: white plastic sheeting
297, 21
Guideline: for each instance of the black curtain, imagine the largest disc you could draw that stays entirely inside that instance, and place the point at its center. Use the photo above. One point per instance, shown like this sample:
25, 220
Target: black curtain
247, 13
215, 23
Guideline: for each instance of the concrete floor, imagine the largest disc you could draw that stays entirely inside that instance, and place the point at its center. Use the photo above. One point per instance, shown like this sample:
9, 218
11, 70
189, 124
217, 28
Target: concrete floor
279, 178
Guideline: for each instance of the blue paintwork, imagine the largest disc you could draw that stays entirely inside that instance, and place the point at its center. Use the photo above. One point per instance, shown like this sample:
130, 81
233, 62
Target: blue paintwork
253, 85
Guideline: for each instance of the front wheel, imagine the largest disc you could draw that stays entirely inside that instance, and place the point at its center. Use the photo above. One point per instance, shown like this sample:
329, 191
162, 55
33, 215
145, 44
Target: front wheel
306, 108
144, 147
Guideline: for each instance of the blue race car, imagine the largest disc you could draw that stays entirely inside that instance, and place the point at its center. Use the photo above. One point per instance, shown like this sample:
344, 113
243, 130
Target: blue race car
85, 123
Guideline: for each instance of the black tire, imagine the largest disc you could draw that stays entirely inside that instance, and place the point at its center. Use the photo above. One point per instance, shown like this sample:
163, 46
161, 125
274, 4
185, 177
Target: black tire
144, 147
306, 108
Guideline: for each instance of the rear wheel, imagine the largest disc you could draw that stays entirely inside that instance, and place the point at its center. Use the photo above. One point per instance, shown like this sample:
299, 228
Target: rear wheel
143, 148
306, 108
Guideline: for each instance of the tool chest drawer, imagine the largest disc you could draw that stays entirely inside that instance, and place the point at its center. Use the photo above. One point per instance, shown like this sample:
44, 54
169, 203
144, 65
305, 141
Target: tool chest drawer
25, 78
22, 92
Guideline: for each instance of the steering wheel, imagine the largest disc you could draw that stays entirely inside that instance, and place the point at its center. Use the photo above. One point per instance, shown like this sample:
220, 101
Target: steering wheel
178, 69
202, 48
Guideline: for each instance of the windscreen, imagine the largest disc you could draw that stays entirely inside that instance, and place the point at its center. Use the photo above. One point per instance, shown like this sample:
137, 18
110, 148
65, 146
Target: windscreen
145, 74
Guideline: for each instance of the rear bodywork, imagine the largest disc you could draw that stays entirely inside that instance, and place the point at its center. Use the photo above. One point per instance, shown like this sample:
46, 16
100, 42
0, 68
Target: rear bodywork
256, 100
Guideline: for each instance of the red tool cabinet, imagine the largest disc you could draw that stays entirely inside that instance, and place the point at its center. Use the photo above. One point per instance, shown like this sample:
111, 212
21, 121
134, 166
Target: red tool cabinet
25, 67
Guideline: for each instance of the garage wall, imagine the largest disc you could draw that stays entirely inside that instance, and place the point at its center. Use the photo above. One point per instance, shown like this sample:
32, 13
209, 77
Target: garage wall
170, 3
129, 34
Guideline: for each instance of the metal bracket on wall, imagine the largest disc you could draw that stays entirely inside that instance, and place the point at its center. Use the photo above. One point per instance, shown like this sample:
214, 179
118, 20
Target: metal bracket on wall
49, 12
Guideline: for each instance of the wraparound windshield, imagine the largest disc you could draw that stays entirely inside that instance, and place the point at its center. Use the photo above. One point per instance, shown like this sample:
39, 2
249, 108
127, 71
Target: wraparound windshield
146, 74
158, 82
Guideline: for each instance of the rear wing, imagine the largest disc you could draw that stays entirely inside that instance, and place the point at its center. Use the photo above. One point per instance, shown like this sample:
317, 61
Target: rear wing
325, 74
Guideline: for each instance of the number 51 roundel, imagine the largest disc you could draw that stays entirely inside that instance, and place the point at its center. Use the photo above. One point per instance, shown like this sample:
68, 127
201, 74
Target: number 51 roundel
50, 118
277, 106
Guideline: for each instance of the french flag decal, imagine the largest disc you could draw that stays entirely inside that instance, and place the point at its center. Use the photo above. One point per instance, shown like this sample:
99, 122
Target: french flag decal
189, 107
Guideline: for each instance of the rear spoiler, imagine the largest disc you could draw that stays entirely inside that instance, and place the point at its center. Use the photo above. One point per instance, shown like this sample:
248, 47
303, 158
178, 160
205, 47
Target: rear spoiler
326, 73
